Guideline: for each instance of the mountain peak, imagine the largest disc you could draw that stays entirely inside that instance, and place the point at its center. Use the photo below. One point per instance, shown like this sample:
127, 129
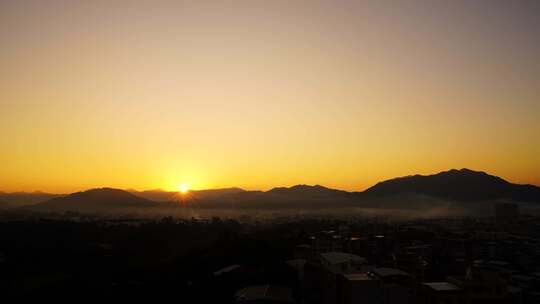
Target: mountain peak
299, 187
109, 198
463, 184
308, 191
104, 192
464, 171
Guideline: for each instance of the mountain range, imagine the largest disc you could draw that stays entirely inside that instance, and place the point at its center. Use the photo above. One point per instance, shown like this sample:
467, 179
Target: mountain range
460, 185
463, 186
96, 200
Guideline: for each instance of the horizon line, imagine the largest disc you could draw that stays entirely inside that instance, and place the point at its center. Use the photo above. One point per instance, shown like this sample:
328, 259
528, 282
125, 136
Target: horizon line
131, 189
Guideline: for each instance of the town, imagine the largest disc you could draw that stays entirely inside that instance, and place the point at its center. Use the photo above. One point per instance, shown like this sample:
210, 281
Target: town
494, 259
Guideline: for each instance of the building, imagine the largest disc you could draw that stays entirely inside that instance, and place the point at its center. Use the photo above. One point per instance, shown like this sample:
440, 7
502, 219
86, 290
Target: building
341, 262
441, 293
359, 288
326, 241
333, 265
267, 294
482, 284
397, 285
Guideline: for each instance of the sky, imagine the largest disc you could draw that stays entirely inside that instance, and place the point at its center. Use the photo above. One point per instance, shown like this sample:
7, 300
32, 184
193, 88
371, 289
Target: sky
258, 94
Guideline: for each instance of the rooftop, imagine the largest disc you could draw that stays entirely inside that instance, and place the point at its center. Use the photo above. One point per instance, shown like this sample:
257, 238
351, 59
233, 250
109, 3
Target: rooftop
265, 293
389, 272
342, 257
442, 286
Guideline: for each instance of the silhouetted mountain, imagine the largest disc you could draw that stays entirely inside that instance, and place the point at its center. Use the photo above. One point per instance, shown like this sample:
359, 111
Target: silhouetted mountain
442, 191
306, 191
299, 196
159, 195
17, 199
462, 185
95, 200
216, 192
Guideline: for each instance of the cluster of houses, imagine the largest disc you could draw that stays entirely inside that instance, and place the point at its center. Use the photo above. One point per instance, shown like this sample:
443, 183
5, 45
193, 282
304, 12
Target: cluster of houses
344, 267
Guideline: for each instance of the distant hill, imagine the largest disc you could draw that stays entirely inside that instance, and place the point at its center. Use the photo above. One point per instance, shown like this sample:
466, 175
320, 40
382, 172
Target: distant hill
96, 200
306, 191
213, 193
159, 195
460, 185
17, 199
299, 196
449, 190
156, 195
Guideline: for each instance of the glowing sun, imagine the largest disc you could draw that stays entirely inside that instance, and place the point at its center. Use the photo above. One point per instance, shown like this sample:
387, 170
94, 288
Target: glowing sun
183, 188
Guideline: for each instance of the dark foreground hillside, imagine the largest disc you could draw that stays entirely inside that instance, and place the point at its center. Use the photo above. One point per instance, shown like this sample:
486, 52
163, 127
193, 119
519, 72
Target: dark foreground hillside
279, 261
132, 259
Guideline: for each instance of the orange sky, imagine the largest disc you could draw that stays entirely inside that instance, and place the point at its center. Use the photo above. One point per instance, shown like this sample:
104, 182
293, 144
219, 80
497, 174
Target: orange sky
257, 94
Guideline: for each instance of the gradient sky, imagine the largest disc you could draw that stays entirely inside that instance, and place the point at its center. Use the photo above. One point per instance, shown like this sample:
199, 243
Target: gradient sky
257, 94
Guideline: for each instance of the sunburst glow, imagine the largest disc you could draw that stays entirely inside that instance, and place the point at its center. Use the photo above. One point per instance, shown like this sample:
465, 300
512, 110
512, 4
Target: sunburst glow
183, 188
